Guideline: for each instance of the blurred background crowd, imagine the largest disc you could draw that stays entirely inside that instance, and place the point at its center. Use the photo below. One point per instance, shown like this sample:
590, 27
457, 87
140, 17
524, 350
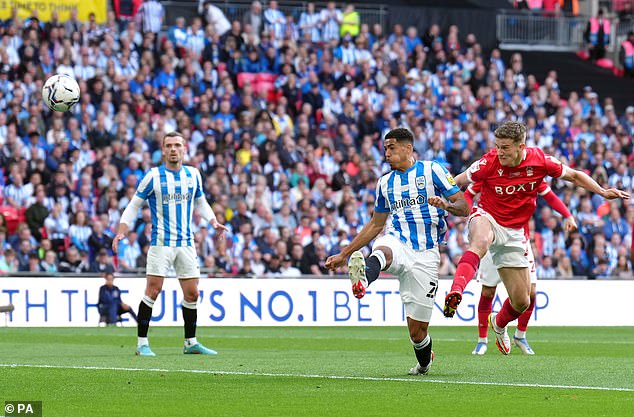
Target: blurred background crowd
285, 117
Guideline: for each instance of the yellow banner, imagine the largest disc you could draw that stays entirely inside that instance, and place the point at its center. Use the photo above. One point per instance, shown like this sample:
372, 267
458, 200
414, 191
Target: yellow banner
44, 8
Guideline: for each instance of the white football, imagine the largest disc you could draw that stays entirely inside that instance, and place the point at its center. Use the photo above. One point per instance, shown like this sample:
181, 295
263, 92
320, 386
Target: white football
60, 92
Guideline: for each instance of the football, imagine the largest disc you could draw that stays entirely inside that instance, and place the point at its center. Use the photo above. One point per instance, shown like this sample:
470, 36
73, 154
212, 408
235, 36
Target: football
60, 92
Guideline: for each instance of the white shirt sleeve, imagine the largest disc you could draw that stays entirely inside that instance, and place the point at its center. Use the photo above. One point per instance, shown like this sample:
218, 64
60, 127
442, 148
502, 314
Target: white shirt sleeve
129, 214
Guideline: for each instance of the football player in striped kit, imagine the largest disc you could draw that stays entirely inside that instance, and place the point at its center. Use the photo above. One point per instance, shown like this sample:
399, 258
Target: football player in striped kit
412, 202
172, 191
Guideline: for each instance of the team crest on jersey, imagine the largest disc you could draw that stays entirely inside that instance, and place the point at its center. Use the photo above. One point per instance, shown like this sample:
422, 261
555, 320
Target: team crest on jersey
450, 179
420, 182
476, 165
529, 171
190, 182
500, 172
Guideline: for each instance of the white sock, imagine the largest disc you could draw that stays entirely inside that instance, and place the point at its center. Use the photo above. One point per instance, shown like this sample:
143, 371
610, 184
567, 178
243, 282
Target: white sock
381, 257
142, 341
148, 301
520, 334
483, 340
191, 342
420, 345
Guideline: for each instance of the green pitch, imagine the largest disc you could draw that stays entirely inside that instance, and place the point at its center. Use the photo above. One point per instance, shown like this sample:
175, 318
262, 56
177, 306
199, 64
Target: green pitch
313, 371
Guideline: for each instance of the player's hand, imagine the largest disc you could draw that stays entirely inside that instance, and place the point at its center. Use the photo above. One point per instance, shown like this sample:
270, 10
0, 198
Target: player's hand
220, 228
613, 193
335, 261
438, 202
115, 242
570, 224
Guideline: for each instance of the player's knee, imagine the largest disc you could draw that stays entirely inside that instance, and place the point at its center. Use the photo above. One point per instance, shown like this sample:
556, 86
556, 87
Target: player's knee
191, 296
521, 304
417, 335
387, 252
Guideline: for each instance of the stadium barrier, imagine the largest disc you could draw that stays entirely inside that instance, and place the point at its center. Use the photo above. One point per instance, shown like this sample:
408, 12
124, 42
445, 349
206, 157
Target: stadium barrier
536, 31
72, 302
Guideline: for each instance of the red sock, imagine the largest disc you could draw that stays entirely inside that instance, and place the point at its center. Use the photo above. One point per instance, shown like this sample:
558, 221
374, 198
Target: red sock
522, 321
507, 314
466, 270
485, 306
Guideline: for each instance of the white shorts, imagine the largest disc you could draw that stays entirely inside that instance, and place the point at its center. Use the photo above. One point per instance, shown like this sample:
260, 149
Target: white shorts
509, 247
183, 259
417, 272
488, 274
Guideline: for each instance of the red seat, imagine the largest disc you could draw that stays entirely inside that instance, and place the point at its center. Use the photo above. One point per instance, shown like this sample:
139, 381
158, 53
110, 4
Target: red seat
244, 77
583, 55
264, 86
221, 67
12, 217
265, 77
605, 63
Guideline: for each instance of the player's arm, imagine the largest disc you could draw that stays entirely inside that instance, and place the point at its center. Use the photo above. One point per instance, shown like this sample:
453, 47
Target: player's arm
128, 217
369, 232
127, 221
455, 204
570, 224
453, 201
581, 179
462, 179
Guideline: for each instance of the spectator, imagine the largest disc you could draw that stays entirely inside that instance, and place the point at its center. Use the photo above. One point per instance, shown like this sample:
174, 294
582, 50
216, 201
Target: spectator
18, 193
350, 21
254, 18
177, 34
49, 263
623, 269
626, 55
287, 269
310, 24
73, 262
129, 251
331, 18
597, 35
8, 261
546, 270
564, 268
110, 305
57, 227
150, 16
103, 263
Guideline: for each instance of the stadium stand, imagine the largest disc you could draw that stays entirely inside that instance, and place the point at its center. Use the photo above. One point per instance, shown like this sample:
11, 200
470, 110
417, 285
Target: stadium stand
290, 151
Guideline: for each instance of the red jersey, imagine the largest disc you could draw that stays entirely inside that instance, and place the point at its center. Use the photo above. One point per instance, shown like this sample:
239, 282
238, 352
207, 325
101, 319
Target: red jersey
509, 194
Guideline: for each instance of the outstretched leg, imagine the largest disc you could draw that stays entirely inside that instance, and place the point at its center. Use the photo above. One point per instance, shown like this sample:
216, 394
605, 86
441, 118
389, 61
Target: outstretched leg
480, 238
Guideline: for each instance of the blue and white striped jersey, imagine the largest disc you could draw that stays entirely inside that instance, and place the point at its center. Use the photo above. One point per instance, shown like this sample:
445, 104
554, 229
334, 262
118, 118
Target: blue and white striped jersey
171, 195
404, 195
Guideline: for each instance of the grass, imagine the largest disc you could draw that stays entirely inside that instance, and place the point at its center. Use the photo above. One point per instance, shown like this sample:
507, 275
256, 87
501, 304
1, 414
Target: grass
316, 371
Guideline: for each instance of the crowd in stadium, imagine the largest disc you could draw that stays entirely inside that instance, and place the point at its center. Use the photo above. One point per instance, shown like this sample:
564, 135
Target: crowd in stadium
285, 120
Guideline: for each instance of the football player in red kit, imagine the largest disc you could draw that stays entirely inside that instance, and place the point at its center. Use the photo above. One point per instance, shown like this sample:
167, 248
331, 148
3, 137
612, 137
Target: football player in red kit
490, 279
510, 175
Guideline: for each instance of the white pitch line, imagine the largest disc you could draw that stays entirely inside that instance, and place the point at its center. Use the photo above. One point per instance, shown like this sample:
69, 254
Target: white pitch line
316, 376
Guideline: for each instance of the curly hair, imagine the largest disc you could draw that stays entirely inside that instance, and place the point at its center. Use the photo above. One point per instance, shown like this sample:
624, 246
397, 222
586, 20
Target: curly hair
511, 130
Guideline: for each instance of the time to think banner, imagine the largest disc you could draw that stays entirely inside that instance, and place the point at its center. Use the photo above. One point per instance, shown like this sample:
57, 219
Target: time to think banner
44, 9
